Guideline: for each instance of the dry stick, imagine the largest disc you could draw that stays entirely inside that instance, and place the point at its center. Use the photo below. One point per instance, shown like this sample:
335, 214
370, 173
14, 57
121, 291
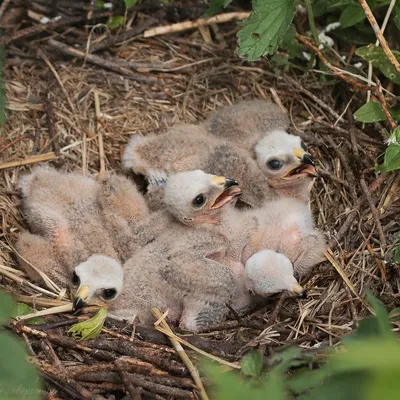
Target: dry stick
51, 121
181, 352
50, 26
379, 35
134, 392
382, 99
3, 7
55, 73
111, 65
384, 24
374, 212
183, 26
98, 131
335, 70
30, 160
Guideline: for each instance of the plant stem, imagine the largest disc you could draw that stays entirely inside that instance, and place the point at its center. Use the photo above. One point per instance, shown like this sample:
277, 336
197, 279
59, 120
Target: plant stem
311, 21
379, 35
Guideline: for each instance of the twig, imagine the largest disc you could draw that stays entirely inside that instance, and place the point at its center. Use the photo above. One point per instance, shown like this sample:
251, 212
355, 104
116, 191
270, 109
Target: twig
107, 64
384, 24
134, 392
374, 212
48, 311
30, 160
379, 35
182, 354
3, 7
382, 100
335, 70
184, 26
98, 131
277, 309
24, 33
51, 120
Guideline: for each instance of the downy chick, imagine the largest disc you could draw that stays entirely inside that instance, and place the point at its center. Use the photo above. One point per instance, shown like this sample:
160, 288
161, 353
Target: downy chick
260, 128
63, 208
268, 272
123, 209
174, 270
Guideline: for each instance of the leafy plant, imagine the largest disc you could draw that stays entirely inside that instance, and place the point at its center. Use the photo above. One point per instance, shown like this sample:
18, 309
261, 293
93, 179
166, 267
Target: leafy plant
18, 378
366, 366
90, 328
391, 160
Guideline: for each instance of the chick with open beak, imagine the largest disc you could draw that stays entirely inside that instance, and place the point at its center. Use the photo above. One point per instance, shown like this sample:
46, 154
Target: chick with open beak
202, 196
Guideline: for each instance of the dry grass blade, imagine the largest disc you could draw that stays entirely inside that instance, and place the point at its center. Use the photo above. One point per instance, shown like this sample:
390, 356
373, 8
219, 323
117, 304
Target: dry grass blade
48, 311
181, 352
30, 160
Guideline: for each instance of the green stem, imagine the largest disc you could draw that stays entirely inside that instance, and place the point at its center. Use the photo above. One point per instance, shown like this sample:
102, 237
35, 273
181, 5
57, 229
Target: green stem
311, 21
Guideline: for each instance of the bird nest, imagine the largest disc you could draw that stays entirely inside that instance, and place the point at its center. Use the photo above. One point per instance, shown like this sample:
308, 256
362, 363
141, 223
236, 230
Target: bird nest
77, 115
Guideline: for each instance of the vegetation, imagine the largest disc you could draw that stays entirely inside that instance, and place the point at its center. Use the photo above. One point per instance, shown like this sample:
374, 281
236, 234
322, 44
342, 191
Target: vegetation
365, 366
18, 378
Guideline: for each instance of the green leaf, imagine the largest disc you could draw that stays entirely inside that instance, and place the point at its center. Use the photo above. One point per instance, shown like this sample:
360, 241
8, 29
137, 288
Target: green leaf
99, 5
115, 22
264, 29
370, 112
23, 309
396, 13
90, 328
6, 305
391, 161
252, 364
130, 3
215, 6
394, 314
376, 56
18, 378
353, 14
381, 314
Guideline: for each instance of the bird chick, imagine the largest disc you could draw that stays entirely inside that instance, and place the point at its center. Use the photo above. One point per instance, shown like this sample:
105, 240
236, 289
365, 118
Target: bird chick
287, 226
98, 279
123, 209
260, 128
63, 208
268, 272
246, 122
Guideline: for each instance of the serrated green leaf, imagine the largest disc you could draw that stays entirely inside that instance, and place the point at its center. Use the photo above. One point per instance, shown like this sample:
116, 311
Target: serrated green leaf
376, 56
264, 29
252, 364
370, 112
18, 379
215, 6
90, 328
391, 160
115, 22
23, 309
6, 305
130, 3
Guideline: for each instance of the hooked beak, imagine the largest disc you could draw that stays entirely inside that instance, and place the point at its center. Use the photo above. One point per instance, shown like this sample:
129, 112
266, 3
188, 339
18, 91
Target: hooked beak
303, 169
307, 160
80, 297
231, 190
299, 291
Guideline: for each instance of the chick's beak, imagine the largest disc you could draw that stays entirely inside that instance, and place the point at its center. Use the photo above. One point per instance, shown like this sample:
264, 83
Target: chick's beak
307, 160
299, 291
80, 297
230, 182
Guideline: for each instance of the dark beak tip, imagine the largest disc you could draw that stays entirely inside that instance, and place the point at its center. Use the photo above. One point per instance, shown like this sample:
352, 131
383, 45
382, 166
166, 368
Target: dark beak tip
308, 160
231, 182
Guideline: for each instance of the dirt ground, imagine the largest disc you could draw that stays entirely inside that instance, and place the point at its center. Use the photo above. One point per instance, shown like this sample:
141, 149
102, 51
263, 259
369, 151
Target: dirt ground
51, 115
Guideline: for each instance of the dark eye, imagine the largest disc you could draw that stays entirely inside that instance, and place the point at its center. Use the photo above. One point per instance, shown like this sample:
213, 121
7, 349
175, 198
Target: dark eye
199, 200
75, 279
303, 146
274, 164
109, 294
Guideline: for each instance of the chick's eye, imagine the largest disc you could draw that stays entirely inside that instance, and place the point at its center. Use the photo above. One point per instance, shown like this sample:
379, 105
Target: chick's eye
199, 200
75, 279
109, 294
274, 164
303, 146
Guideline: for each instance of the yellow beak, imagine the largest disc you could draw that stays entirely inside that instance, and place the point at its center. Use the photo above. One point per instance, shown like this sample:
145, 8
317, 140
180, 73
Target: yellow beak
298, 153
218, 180
80, 297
